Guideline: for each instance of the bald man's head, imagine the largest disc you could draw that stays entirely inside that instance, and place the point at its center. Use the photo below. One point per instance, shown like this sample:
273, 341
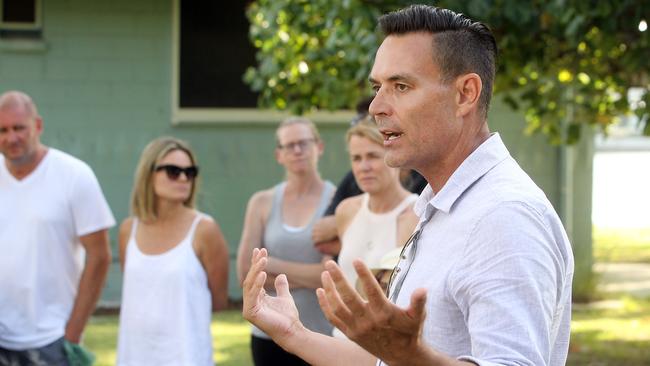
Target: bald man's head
20, 131
16, 100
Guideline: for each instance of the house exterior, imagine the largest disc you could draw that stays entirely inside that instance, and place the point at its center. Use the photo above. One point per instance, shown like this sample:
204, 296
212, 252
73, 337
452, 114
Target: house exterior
108, 76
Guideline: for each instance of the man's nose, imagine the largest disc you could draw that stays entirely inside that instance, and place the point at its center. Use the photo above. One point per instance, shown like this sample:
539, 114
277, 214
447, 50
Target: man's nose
379, 105
11, 136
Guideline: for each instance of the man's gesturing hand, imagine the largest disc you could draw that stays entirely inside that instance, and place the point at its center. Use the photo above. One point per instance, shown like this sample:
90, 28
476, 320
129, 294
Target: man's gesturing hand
387, 331
277, 315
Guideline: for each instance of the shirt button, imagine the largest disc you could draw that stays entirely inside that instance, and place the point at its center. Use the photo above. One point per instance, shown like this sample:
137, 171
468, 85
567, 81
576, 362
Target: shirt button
403, 256
398, 269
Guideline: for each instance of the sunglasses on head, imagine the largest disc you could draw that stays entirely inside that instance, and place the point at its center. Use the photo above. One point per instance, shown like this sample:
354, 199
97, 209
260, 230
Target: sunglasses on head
174, 171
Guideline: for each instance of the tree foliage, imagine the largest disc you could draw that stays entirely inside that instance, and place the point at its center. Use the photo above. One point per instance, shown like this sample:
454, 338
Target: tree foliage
312, 54
565, 63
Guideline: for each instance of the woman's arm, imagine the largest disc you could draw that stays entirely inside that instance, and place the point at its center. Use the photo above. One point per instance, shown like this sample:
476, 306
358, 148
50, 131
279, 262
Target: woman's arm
299, 274
253, 231
212, 251
123, 239
345, 212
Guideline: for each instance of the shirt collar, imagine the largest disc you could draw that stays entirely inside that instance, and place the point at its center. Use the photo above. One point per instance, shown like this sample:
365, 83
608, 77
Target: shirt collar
490, 153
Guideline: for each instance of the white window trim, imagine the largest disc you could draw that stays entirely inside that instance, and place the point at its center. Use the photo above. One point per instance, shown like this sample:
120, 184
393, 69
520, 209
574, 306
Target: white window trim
37, 25
184, 116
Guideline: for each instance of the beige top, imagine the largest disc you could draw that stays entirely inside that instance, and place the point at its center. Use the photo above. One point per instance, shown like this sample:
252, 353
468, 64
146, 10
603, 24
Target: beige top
370, 236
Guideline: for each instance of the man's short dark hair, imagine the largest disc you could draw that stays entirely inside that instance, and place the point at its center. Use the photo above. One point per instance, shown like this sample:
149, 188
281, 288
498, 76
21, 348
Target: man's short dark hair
460, 45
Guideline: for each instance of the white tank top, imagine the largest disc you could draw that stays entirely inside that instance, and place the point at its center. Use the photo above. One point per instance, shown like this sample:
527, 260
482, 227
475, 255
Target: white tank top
369, 236
166, 307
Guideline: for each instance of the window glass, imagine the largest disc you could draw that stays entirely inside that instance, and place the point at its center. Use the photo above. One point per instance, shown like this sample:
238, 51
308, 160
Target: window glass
214, 53
19, 11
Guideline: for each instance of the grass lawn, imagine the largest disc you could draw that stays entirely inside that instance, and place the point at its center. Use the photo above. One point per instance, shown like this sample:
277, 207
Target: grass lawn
622, 245
617, 333
610, 335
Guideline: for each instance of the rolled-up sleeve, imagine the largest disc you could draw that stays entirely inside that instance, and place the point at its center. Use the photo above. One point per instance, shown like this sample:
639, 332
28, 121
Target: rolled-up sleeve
510, 287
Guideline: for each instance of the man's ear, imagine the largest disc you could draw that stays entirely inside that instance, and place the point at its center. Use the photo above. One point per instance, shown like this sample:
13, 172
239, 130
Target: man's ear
468, 91
39, 124
276, 152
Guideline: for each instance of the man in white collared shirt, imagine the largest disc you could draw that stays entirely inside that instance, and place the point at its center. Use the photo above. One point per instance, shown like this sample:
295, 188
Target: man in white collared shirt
496, 263
486, 278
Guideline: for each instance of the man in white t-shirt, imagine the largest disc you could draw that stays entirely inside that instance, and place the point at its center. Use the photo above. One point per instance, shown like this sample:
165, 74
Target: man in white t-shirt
54, 242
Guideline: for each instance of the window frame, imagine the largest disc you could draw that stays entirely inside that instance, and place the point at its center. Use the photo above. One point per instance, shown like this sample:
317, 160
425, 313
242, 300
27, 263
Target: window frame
184, 116
19, 26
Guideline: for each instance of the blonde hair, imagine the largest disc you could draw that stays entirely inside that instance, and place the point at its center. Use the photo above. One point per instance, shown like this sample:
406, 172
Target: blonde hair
367, 129
143, 198
295, 121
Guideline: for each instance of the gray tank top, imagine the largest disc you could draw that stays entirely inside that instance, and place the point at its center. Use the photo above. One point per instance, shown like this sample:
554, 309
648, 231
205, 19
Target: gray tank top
297, 246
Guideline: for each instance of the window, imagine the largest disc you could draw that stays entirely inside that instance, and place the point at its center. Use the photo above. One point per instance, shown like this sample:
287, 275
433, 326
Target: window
20, 19
210, 54
214, 54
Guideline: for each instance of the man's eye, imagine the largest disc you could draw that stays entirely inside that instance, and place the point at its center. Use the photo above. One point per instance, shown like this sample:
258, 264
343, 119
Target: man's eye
401, 87
375, 89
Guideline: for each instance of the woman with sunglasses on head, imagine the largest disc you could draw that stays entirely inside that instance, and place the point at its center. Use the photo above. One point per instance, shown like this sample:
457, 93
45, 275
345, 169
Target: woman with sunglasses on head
372, 224
175, 263
281, 219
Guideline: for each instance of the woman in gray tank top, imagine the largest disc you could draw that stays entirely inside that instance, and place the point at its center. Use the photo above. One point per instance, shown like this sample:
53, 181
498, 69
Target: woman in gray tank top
281, 219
